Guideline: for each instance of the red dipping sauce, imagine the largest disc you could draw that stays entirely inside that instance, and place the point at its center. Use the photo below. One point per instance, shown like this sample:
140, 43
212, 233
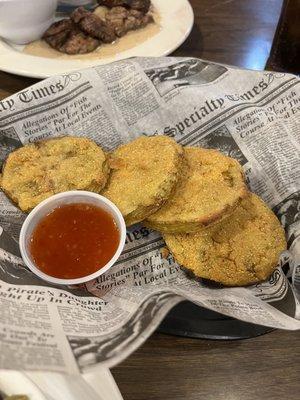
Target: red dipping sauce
74, 240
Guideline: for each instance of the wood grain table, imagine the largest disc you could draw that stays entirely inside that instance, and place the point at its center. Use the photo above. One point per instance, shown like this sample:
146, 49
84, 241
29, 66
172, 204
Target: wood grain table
237, 32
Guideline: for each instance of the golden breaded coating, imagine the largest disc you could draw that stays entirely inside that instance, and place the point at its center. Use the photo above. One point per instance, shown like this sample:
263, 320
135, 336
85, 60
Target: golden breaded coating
242, 249
209, 189
144, 173
37, 171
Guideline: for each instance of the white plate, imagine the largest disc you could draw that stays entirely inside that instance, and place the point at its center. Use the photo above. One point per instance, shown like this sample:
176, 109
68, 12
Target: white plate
176, 21
98, 385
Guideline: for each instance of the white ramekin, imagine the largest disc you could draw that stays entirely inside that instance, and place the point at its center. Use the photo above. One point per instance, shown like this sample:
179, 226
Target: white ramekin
23, 21
46, 206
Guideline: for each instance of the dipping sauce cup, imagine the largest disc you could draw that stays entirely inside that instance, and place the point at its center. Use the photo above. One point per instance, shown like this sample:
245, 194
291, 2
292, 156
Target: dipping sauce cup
72, 220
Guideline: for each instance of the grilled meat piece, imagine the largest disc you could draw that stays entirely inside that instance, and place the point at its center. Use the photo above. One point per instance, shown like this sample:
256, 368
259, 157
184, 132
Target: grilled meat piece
141, 5
65, 37
58, 27
93, 25
115, 18
79, 14
79, 43
58, 33
140, 20
118, 21
57, 41
123, 20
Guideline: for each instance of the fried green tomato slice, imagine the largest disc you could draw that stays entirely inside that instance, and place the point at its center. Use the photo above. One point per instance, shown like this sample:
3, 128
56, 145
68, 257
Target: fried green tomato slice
240, 250
37, 171
210, 188
144, 173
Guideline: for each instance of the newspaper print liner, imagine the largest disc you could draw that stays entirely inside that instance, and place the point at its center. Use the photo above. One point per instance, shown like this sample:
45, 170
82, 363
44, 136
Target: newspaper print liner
251, 116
